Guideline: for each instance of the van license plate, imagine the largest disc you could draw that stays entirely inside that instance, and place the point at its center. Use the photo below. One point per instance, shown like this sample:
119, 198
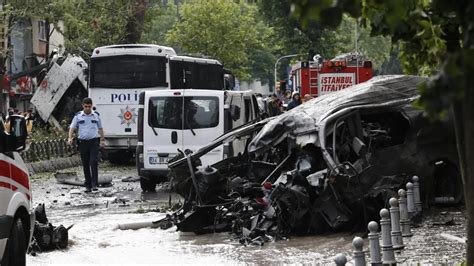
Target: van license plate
158, 160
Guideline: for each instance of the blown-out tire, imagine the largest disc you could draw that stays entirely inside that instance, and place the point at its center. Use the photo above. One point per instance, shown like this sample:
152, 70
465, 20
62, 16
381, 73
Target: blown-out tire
147, 185
15, 252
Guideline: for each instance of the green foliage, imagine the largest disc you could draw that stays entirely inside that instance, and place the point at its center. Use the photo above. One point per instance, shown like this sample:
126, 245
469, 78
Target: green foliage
449, 84
290, 36
87, 24
158, 21
375, 48
311, 37
407, 22
224, 30
392, 64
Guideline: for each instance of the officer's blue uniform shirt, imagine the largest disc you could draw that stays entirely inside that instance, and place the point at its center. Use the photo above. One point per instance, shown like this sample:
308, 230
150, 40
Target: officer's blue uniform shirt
87, 124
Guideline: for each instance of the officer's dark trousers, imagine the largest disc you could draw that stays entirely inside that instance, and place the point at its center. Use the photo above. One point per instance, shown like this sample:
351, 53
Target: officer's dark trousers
89, 155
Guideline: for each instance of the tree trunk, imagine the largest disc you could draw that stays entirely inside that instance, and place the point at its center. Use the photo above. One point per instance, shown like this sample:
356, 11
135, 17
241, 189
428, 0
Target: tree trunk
134, 26
464, 125
3, 110
469, 169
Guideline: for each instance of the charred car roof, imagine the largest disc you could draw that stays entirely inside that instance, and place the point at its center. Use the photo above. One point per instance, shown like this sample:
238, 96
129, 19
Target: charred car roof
380, 91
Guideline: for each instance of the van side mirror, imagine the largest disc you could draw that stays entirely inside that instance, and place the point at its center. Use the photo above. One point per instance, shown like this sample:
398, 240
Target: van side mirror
17, 134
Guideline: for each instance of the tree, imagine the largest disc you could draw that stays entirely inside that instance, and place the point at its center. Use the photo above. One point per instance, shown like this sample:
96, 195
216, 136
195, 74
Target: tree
89, 24
436, 38
134, 25
159, 20
291, 37
224, 30
375, 48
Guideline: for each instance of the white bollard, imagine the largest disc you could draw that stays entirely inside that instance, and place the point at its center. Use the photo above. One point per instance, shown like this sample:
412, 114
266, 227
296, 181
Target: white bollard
404, 221
410, 201
388, 256
359, 254
340, 259
416, 194
397, 240
374, 244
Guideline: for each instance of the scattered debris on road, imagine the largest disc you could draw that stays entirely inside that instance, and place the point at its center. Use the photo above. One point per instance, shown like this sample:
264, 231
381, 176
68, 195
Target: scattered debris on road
71, 178
47, 237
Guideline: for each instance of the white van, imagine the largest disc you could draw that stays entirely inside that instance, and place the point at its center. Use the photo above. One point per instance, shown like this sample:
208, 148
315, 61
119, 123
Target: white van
16, 214
172, 120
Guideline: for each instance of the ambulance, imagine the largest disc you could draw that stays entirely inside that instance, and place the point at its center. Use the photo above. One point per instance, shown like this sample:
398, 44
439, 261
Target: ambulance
16, 212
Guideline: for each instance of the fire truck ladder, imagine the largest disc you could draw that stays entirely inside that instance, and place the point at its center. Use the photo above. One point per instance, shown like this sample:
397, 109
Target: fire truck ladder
313, 82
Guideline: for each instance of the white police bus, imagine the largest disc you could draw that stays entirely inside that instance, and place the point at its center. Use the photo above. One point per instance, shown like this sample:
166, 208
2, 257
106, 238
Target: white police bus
117, 75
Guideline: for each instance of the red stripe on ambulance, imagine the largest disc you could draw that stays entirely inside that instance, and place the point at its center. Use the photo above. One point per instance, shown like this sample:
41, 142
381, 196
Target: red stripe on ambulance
19, 176
5, 185
12, 172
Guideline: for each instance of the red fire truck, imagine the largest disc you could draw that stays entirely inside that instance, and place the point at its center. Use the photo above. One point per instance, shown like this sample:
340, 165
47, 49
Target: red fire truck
320, 77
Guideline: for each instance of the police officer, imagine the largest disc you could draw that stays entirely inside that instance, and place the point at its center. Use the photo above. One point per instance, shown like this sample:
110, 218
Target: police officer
90, 137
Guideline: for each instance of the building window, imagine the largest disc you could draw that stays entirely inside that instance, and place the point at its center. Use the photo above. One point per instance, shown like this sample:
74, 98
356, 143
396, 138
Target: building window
42, 30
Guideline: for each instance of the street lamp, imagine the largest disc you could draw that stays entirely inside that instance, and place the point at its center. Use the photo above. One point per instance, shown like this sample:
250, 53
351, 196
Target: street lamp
276, 63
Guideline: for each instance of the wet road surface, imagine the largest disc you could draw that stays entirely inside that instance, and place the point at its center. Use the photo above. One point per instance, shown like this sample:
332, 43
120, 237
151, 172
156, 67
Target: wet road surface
94, 238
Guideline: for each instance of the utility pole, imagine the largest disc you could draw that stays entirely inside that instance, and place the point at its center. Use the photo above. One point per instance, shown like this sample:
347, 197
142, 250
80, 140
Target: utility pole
276, 64
3, 45
176, 2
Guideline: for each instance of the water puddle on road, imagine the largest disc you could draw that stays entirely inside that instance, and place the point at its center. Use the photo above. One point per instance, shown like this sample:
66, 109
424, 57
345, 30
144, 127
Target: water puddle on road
93, 240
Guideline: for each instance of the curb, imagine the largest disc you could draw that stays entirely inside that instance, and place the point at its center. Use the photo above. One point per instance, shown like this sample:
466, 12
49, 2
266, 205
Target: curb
53, 164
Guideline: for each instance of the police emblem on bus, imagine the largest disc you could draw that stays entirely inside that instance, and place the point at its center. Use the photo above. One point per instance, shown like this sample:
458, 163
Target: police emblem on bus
127, 116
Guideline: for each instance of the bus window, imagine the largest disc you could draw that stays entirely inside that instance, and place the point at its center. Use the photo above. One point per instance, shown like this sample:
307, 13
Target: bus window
196, 75
128, 71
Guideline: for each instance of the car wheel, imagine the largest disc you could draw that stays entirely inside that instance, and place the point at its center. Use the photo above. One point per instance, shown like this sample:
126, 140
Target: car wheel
147, 185
16, 245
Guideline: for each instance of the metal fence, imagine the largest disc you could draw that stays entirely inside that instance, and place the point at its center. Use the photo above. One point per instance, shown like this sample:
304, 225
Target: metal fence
48, 149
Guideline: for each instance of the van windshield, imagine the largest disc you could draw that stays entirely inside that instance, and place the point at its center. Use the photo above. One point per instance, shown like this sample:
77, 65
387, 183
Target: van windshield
199, 112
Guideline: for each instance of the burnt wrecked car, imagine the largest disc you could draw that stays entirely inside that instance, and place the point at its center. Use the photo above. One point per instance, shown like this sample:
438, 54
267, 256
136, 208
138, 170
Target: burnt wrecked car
330, 164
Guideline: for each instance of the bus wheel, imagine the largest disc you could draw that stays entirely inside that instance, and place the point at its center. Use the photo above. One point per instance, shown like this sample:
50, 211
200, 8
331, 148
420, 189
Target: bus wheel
147, 185
16, 246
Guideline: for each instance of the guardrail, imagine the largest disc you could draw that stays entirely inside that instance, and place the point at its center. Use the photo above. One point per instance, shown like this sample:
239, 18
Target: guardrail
49, 149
